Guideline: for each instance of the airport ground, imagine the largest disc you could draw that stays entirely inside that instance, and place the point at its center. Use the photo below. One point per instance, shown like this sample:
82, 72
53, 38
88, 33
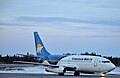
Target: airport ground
39, 72
23, 75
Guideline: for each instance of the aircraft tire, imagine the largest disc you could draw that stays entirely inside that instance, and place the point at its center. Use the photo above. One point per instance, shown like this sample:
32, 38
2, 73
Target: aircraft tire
61, 74
76, 73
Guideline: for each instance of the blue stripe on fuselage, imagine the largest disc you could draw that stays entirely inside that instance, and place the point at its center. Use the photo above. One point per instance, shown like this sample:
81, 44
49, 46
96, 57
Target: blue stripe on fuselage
52, 59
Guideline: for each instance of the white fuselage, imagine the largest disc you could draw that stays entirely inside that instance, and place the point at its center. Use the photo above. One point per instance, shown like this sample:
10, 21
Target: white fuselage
84, 63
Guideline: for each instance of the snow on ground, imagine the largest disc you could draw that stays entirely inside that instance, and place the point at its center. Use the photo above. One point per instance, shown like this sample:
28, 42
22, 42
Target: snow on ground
26, 70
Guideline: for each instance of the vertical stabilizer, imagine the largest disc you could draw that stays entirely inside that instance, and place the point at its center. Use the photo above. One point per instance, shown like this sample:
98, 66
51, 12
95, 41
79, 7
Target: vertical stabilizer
40, 49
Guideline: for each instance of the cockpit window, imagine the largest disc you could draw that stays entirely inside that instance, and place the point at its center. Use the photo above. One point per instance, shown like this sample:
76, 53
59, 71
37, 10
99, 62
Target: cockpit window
105, 61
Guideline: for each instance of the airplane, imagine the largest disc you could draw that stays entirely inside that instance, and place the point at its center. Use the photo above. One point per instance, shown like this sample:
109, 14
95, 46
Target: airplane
62, 63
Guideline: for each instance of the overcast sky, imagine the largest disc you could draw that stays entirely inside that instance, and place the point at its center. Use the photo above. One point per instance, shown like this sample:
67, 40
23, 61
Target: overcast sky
74, 26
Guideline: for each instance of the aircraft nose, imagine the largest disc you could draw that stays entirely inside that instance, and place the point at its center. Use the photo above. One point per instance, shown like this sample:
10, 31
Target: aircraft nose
112, 67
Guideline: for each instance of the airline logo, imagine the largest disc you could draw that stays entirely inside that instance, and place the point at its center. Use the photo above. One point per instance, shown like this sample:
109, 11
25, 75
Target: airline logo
39, 48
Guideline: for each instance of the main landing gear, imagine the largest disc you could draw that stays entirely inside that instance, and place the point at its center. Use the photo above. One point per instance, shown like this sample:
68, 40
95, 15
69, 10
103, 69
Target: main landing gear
76, 73
61, 74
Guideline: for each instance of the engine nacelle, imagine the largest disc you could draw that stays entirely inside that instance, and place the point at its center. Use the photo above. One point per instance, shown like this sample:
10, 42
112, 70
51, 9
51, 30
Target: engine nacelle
55, 70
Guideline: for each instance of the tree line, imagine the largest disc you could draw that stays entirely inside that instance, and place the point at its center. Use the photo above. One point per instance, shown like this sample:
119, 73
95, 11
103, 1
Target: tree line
9, 59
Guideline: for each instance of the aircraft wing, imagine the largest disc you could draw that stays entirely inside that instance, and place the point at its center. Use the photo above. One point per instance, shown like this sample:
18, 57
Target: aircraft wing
36, 63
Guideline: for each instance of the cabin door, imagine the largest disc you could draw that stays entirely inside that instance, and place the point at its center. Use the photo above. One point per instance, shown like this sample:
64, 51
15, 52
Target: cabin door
68, 61
95, 62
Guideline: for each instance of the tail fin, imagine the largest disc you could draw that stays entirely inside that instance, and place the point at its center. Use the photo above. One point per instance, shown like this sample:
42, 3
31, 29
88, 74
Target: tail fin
40, 49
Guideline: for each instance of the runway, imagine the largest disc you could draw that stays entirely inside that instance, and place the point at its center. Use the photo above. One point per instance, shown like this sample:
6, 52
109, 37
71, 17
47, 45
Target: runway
24, 75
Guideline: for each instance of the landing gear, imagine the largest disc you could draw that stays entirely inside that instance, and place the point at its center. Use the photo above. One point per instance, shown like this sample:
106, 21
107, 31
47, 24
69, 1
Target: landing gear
61, 74
76, 73
102, 75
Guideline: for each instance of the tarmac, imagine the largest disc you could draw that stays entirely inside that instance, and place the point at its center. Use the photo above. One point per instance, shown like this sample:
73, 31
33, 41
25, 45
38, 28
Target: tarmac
30, 75
39, 72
